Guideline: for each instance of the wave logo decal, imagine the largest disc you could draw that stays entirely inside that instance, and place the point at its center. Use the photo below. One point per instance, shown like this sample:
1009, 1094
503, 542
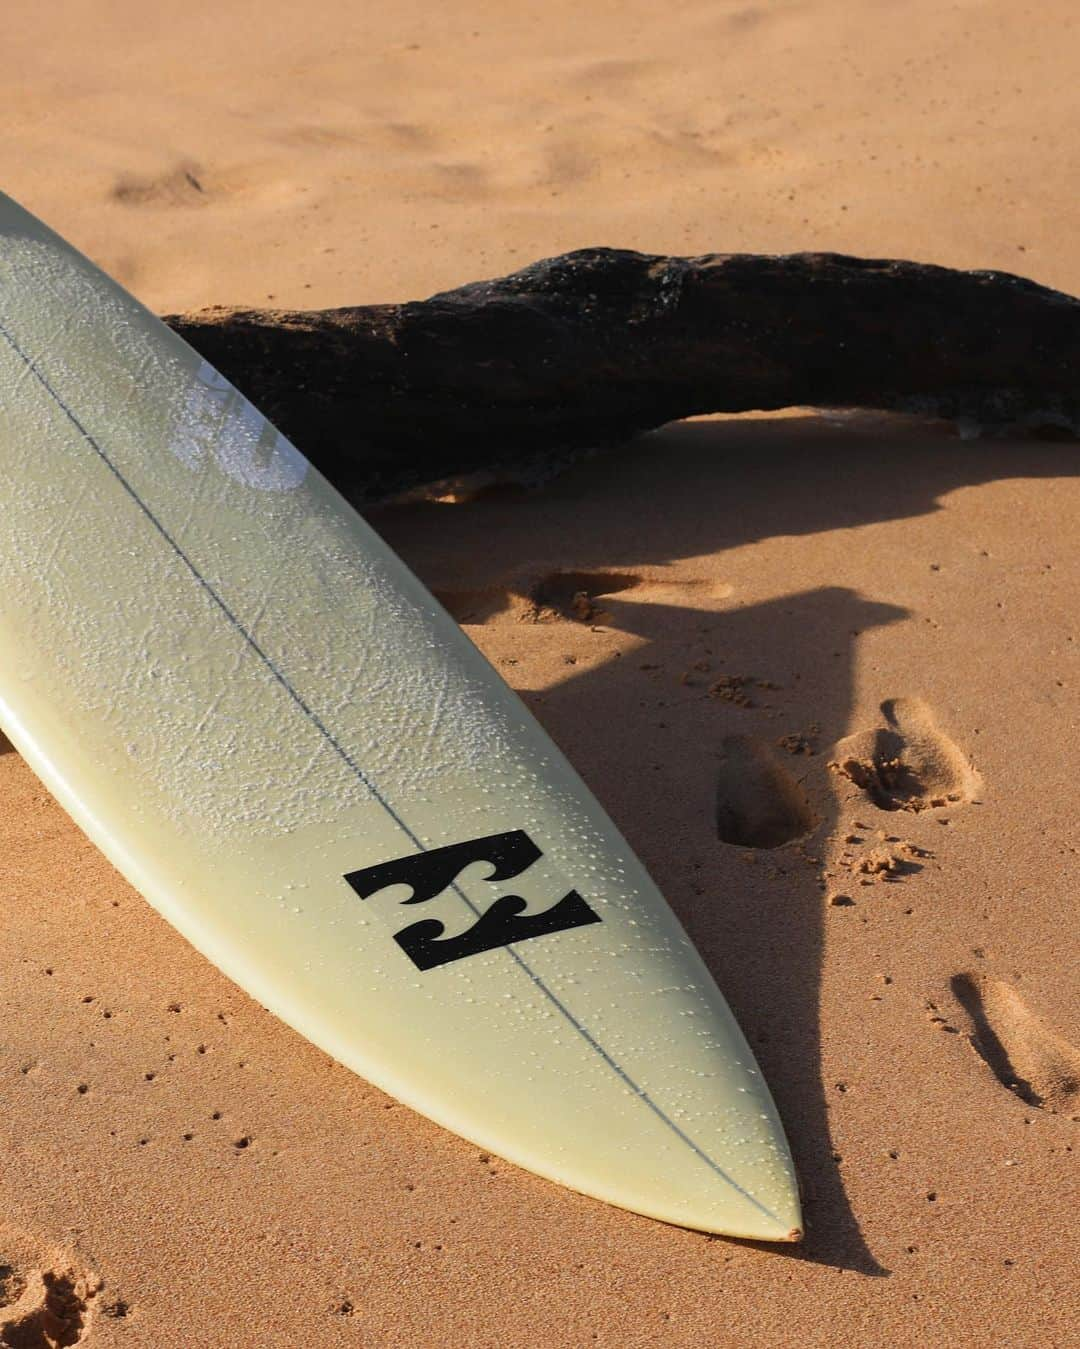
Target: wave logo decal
504, 922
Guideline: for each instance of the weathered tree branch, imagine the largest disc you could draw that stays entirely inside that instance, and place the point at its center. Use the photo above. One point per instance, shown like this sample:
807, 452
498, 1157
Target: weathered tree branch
596, 345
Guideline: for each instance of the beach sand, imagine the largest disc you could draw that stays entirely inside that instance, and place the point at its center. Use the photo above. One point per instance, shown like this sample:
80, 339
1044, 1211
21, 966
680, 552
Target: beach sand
825, 682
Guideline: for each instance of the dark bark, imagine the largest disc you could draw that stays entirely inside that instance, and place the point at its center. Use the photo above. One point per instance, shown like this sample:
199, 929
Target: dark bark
597, 345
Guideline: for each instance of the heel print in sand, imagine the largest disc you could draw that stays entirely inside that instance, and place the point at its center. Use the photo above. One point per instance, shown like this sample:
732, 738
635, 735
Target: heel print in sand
759, 803
45, 1298
909, 764
1023, 1053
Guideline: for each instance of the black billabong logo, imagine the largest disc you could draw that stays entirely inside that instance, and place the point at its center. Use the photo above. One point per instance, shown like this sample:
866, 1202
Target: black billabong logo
429, 874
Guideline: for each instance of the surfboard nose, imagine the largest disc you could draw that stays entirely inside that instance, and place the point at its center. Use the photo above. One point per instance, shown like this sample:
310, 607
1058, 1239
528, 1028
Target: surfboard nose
717, 1162
692, 1191
713, 1210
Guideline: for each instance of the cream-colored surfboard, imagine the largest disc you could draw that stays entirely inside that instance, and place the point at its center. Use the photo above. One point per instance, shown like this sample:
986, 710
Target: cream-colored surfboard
283, 742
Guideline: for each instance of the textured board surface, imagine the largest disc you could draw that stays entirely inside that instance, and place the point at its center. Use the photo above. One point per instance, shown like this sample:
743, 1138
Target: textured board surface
283, 742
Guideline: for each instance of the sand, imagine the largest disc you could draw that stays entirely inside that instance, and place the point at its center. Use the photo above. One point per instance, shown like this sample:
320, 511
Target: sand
824, 679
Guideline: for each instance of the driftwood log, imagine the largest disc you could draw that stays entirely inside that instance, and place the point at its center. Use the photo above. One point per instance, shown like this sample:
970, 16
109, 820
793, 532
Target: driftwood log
595, 346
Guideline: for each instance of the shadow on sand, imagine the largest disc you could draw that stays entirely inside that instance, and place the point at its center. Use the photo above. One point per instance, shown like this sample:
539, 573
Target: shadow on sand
641, 728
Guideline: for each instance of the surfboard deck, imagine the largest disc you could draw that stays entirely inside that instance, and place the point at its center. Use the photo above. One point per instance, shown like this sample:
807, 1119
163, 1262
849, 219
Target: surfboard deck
285, 744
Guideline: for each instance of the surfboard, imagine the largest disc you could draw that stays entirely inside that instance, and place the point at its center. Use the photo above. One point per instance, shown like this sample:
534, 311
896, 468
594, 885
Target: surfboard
281, 740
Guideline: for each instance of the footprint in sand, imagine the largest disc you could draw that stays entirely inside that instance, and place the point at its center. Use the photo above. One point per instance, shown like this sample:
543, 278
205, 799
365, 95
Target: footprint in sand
1023, 1053
574, 595
182, 185
550, 597
186, 184
45, 1297
759, 803
909, 764
318, 136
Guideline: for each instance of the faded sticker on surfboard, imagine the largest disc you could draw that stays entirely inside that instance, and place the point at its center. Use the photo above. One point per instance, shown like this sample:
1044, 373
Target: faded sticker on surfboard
218, 420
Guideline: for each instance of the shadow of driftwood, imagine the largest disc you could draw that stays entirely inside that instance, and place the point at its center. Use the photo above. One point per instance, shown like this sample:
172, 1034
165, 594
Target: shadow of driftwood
642, 729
